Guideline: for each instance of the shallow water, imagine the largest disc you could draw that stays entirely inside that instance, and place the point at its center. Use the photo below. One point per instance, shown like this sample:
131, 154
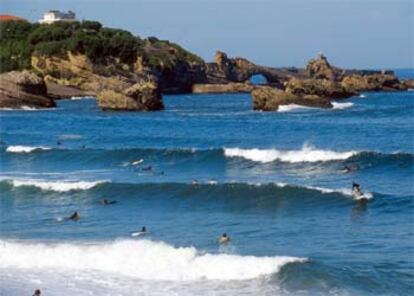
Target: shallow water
275, 182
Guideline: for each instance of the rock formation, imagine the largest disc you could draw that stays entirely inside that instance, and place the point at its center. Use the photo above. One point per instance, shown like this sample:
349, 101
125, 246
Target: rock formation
408, 84
320, 68
232, 87
267, 98
374, 82
318, 87
145, 95
23, 89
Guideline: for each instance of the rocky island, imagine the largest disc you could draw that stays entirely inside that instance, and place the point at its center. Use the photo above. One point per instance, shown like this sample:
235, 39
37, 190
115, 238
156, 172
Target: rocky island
42, 62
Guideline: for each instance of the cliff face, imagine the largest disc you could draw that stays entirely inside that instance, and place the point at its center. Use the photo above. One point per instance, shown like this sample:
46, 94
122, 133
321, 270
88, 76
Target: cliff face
23, 89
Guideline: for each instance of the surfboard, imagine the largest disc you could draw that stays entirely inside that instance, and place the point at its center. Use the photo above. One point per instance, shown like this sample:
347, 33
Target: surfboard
137, 162
138, 233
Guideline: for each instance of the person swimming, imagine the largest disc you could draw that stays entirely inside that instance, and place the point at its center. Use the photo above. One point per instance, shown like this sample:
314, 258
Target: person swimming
37, 292
74, 217
147, 168
224, 238
106, 202
143, 229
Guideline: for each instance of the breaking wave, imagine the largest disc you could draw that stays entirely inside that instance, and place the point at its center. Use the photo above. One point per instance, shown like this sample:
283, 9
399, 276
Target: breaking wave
59, 186
291, 107
306, 154
25, 149
143, 259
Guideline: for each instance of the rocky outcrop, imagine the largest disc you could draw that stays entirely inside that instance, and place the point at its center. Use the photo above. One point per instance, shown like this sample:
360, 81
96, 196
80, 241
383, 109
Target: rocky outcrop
318, 87
232, 87
408, 84
375, 82
23, 89
267, 98
320, 68
144, 95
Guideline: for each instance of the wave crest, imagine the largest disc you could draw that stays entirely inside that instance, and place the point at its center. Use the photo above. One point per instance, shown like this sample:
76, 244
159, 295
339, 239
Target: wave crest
59, 186
306, 154
25, 149
143, 259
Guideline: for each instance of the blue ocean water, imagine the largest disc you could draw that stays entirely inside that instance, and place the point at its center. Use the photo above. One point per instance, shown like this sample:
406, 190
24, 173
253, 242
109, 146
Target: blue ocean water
274, 182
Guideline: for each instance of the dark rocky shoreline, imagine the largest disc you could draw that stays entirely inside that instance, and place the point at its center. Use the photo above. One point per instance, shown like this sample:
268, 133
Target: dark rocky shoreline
129, 73
314, 86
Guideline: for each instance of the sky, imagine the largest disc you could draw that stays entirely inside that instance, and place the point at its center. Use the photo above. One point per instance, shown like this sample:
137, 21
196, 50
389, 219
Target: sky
351, 33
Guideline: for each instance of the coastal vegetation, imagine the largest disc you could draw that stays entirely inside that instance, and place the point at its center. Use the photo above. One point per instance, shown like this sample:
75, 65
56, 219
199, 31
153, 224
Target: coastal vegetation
20, 40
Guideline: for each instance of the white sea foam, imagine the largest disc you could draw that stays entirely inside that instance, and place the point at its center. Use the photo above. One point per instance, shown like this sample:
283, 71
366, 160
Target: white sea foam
59, 186
343, 191
290, 107
82, 98
341, 106
25, 149
306, 154
362, 96
27, 108
142, 259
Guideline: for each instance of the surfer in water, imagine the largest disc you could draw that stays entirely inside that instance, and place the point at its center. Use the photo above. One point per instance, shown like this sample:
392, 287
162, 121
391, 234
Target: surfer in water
74, 217
37, 292
139, 233
224, 238
356, 189
350, 168
106, 202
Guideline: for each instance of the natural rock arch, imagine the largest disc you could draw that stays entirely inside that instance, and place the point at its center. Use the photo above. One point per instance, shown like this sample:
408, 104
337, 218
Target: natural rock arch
225, 70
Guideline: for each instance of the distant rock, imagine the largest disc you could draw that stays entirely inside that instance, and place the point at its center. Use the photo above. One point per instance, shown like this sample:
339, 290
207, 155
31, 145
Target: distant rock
374, 82
408, 84
23, 89
232, 87
318, 87
267, 98
145, 95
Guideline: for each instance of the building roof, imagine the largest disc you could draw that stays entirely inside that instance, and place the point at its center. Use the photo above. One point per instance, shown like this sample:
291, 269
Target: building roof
8, 17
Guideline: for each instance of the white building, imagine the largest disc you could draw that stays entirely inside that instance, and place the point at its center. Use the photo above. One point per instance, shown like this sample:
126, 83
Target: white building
52, 16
